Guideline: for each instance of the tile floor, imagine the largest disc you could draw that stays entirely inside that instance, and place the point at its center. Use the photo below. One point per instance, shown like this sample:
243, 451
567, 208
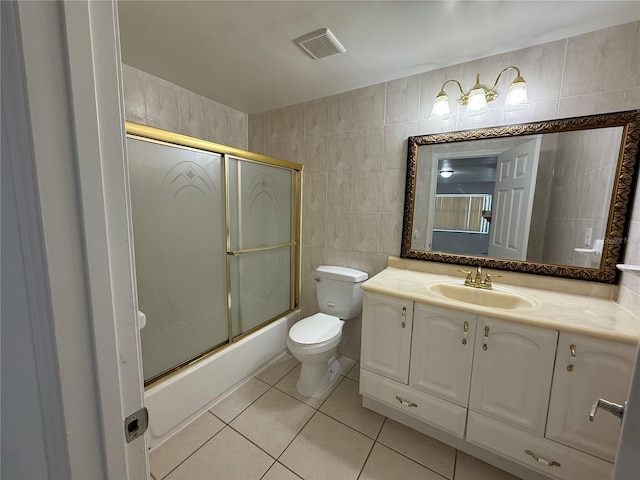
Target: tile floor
266, 430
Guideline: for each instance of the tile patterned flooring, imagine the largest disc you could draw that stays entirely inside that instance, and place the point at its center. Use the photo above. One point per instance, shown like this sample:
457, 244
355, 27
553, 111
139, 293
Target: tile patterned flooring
266, 430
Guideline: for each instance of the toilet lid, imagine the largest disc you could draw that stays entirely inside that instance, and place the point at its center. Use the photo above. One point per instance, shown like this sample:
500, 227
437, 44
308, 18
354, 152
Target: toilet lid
317, 328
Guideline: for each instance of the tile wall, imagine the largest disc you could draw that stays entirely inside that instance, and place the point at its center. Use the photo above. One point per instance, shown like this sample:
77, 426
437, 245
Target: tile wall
585, 162
152, 101
353, 145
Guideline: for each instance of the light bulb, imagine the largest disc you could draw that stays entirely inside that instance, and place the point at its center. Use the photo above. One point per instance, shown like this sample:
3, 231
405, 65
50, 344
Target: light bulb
440, 107
516, 96
445, 173
477, 102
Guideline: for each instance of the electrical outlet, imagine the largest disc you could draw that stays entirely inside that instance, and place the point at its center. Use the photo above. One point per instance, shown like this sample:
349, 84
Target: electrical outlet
587, 236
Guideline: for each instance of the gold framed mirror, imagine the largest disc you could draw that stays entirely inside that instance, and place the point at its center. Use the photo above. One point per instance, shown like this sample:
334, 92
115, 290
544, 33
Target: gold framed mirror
549, 198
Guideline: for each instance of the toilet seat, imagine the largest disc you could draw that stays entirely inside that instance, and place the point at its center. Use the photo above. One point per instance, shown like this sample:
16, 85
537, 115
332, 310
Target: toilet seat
316, 329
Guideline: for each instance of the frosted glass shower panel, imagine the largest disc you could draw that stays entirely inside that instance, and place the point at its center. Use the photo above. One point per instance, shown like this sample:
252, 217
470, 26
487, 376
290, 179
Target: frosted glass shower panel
180, 244
262, 287
260, 204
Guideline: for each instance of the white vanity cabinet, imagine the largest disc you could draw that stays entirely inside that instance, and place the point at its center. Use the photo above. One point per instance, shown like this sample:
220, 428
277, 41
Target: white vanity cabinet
586, 369
442, 352
386, 336
512, 371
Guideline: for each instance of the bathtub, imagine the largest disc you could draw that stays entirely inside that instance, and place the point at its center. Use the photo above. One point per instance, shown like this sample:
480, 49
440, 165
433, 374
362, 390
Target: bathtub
175, 402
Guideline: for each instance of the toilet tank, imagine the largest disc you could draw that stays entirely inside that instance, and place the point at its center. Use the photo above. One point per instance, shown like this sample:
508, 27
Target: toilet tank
338, 290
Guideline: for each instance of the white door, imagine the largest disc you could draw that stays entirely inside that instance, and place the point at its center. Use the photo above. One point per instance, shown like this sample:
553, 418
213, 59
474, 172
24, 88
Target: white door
516, 173
442, 352
588, 368
386, 336
512, 369
95, 78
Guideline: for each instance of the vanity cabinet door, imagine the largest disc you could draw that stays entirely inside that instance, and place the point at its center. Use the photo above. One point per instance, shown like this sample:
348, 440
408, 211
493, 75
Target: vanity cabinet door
586, 369
442, 352
386, 336
512, 370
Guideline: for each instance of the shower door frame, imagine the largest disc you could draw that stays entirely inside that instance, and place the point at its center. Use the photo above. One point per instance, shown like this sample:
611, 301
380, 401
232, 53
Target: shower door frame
155, 135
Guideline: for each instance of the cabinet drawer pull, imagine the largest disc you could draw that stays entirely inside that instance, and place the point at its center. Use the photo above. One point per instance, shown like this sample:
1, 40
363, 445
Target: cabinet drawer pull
404, 317
551, 463
572, 358
485, 340
465, 329
405, 403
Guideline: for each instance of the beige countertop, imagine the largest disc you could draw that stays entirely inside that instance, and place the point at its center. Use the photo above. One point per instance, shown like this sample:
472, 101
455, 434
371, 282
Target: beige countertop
585, 314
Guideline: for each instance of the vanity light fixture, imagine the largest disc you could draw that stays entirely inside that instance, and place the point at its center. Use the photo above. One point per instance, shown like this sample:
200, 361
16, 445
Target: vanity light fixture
445, 173
479, 96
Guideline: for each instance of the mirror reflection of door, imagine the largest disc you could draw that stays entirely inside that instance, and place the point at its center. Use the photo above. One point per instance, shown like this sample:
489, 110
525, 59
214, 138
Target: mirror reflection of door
517, 169
460, 212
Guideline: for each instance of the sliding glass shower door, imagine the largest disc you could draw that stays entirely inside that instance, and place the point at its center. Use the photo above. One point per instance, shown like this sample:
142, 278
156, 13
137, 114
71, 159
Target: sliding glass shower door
260, 242
177, 198
216, 245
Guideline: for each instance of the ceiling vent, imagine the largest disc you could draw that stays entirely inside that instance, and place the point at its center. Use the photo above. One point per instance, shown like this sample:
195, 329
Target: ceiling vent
321, 43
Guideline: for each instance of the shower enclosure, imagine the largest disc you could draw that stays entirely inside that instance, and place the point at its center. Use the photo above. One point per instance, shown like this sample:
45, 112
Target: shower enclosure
216, 234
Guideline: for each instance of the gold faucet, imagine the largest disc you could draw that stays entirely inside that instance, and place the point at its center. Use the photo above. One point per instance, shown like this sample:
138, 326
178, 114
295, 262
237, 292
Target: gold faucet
477, 281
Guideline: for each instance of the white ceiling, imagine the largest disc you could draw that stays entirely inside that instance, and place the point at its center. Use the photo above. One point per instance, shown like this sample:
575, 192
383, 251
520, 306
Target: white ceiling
241, 53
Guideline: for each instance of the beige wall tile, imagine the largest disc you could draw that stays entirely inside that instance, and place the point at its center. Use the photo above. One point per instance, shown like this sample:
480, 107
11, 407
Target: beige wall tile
315, 155
370, 106
256, 129
161, 99
191, 113
238, 129
134, 99
609, 50
366, 192
390, 233
363, 232
315, 193
342, 109
367, 149
339, 187
590, 104
394, 153
392, 191
403, 100
340, 152
312, 258
338, 230
316, 117
313, 227
273, 126
294, 151
541, 67
275, 150
293, 122
631, 99
633, 80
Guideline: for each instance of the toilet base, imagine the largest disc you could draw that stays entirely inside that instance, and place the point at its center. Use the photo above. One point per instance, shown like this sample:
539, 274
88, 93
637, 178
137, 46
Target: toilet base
316, 378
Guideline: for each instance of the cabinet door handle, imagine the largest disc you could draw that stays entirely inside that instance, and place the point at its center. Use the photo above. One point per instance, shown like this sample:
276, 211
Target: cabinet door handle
485, 340
572, 357
404, 317
465, 330
405, 402
550, 463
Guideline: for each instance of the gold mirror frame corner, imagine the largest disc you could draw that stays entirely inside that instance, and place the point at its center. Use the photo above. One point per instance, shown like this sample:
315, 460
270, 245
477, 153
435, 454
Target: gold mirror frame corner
619, 214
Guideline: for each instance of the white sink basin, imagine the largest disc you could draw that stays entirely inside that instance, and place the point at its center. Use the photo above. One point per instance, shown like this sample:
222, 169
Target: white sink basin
496, 298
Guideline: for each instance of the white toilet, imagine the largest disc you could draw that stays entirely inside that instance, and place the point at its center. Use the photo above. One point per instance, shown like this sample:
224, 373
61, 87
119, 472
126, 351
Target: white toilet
314, 340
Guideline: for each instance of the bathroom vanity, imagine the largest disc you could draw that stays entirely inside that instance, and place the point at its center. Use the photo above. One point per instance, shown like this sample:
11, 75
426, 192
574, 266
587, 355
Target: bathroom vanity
509, 373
